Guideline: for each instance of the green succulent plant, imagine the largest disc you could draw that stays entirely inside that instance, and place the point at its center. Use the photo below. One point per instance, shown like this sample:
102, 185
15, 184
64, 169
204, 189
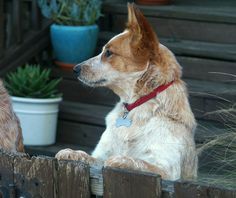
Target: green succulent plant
71, 12
31, 81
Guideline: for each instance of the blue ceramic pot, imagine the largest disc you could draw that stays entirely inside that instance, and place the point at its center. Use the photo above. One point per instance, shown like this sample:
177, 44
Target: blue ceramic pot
73, 44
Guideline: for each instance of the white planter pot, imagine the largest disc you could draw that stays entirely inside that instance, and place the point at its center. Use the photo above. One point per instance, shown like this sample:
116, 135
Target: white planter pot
38, 118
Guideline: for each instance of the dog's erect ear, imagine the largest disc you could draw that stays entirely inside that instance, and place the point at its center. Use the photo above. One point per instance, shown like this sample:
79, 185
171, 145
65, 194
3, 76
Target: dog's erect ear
132, 20
142, 32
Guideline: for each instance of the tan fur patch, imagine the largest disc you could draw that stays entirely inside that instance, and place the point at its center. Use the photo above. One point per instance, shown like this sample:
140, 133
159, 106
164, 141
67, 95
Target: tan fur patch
10, 130
133, 164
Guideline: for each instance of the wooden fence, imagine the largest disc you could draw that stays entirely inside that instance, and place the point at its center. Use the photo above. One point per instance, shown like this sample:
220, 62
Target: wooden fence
25, 177
23, 33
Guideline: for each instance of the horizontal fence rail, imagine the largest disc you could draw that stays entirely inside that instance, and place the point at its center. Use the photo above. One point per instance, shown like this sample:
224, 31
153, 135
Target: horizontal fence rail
24, 176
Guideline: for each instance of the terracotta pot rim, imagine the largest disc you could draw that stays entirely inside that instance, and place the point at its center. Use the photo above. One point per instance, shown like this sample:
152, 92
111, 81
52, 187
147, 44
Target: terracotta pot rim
62, 65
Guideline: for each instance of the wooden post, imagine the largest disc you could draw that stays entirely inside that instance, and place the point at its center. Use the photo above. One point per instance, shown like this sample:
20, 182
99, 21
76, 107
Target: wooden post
73, 179
130, 184
35, 16
6, 174
197, 190
34, 177
2, 28
16, 20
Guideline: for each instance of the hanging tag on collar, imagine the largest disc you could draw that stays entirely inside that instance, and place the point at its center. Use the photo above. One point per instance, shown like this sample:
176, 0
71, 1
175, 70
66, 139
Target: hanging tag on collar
124, 121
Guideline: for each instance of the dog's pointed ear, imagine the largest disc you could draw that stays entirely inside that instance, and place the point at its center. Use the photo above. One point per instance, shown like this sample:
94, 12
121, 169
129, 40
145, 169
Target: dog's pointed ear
132, 20
141, 31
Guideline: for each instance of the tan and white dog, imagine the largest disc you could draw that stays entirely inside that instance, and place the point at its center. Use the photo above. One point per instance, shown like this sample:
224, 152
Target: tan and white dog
157, 134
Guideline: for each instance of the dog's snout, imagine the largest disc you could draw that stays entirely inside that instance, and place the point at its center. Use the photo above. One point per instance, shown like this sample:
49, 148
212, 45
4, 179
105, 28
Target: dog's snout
77, 69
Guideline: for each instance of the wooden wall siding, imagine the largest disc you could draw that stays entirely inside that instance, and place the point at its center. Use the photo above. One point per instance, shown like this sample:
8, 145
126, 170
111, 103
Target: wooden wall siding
35, 16
207, 11
184, 30
22, 35
17, 32
88, 135
197, 23
1, 28
46, 177
203, 99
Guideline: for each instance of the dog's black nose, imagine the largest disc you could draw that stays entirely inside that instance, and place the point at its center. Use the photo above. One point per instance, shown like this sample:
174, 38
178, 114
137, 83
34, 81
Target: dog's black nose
77, 69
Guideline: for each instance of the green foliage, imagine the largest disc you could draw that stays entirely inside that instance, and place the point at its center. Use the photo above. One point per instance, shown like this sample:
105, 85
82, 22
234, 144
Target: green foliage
32, 81
71, 12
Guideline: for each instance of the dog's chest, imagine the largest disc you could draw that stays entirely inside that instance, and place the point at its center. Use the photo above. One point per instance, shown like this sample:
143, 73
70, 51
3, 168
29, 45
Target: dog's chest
128, 139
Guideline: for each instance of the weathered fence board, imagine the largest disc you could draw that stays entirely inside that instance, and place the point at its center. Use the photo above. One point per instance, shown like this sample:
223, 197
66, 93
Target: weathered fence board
34, 177
73, 179
17, 21
196, 190
45, 177
130, 184
2, 31
6, 175
35, 16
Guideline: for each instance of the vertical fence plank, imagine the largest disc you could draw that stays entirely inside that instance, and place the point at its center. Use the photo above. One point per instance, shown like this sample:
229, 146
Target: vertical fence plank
6, 174
17, 20
34, 177
196, 190
73, 179
130, 184
35, 15
2, 29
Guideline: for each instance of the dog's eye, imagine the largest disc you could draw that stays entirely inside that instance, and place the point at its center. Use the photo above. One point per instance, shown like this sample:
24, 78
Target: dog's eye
108, 53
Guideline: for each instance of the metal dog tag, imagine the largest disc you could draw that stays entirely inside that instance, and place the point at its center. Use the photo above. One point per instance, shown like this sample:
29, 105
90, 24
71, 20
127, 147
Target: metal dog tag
124, 121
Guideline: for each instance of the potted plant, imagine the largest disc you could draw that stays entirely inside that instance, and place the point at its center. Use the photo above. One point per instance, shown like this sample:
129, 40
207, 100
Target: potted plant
35, 101
74, 32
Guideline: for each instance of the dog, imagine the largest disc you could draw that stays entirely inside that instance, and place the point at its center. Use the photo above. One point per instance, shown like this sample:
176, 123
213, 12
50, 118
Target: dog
152, 127
10, 131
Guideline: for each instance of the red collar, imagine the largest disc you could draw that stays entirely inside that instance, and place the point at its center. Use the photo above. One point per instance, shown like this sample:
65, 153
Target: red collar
145, 98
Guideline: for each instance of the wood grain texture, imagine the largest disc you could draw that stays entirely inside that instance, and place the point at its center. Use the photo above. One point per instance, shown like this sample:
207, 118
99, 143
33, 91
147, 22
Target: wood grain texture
208, 11
183, 47
197, 190
84, 113
78, 133
130, 184
34, 177
73, 179
6, 174
35, 16
33, 44
2, 31
184, 29
17, 21
73, 90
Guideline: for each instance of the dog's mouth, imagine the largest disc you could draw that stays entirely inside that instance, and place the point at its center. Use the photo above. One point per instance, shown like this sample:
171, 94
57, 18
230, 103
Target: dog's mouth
96, 83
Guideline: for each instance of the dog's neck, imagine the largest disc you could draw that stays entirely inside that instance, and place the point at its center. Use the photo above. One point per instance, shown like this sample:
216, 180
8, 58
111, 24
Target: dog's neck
125, 89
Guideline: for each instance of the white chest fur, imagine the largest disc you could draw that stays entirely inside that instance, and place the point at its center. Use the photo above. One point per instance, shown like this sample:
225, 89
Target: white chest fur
151, 137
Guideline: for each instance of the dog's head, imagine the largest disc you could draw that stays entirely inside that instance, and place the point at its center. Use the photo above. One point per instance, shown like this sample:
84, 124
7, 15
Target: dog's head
127, 57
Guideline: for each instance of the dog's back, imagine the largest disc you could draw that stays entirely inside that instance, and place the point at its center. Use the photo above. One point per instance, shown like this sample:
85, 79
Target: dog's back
10, 130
